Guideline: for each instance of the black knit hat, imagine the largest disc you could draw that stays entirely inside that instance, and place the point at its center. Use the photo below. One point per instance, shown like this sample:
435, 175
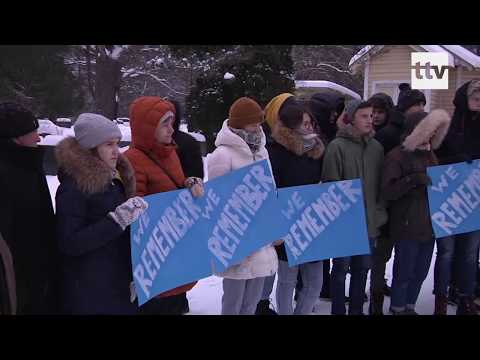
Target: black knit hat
409, 97
15, 120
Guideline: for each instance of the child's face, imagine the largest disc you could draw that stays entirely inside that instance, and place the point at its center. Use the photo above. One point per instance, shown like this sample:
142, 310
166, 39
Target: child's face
474, 101
363, 121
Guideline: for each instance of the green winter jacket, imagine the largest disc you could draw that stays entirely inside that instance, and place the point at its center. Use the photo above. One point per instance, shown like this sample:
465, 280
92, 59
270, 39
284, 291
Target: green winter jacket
349, 157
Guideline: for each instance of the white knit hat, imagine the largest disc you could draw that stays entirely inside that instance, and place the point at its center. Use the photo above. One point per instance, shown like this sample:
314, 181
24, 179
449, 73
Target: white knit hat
92, 130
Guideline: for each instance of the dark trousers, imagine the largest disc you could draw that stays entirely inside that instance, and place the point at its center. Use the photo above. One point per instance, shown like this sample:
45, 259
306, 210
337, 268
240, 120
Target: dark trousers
359, 266
381, 254
467, 246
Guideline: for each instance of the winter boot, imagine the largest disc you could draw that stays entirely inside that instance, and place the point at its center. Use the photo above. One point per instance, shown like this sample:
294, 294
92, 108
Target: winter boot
263, 308
440, 305
452, 296
376, 304
466, 306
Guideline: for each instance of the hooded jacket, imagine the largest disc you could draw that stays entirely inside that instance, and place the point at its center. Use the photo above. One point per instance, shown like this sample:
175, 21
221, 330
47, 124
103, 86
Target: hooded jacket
403, 180
462, 142
232, 153
27, 224
291, 166
390, 135
323, 105
349, 157
96, 268
157, 166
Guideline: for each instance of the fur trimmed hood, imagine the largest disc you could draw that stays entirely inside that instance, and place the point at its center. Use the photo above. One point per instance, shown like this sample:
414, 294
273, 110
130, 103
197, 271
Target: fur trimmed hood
294, 142
434, 126
90, 173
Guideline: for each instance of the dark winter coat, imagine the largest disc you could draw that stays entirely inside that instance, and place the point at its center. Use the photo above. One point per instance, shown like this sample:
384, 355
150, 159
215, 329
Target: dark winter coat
27, 224
292, 167
323, 105
96, 265
189, 153
8, 291
390, 135
405, 180
462, 142
349, 157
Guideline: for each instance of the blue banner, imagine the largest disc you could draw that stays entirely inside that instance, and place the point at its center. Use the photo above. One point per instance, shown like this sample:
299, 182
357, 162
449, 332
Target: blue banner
323, 221
180, 239
454, 198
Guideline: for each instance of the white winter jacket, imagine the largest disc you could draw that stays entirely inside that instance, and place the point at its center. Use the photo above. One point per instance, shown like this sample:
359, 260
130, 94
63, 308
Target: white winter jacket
232, 153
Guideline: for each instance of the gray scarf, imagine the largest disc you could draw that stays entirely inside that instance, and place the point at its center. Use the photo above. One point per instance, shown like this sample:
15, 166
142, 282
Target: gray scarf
253, 139
310, 140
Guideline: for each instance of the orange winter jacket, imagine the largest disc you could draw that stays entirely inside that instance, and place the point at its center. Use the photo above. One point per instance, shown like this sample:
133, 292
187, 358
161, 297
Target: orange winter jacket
157, 167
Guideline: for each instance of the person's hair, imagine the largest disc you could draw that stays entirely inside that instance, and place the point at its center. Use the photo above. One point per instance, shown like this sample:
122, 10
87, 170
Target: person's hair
178, 114
291, 113
364, 105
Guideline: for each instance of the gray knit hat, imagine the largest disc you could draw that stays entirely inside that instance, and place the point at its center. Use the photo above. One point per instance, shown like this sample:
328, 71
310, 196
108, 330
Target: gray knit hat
351, 108
92, 130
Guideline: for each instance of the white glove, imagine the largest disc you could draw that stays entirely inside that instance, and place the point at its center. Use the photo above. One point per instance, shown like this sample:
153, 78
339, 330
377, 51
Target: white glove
195, 185
127, 213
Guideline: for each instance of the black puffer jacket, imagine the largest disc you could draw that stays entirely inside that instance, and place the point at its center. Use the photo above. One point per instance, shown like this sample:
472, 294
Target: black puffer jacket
323, 105
290, 166
27, 223
390, 135
463, 139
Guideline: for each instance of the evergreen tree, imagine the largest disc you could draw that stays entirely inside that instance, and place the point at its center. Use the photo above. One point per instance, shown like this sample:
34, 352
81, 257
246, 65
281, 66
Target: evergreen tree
260, 72
37, 77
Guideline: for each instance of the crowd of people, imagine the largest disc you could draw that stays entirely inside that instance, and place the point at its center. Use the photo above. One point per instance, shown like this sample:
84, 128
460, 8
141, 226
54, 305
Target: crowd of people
76, 260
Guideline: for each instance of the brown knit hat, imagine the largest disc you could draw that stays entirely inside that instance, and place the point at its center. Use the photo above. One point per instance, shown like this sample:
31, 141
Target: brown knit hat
243, 112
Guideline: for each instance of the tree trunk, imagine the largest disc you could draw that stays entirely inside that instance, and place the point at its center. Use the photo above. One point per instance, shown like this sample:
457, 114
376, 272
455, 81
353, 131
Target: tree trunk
107, 85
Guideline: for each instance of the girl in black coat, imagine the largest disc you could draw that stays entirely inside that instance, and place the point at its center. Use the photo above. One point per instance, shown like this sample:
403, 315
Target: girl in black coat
93, 215
295, 156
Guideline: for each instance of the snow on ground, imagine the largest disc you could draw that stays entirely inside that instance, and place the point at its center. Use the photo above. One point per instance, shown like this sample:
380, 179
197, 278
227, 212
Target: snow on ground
206, 297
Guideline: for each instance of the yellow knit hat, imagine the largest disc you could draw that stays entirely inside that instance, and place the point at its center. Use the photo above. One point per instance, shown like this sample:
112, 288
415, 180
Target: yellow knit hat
273, 107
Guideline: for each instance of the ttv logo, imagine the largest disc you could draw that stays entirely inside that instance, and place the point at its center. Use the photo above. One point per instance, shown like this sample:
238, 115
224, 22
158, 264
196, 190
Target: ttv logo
429, 70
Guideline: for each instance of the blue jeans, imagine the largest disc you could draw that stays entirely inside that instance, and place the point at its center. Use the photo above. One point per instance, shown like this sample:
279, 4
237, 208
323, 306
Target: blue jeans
312, 278
410, 268
467, 250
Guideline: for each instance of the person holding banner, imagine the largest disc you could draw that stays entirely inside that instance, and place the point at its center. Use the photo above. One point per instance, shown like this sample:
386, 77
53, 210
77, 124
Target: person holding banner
462, 143
158, 169
240, 142
271, 118
404, 186
356, 154
95, 205
296, 160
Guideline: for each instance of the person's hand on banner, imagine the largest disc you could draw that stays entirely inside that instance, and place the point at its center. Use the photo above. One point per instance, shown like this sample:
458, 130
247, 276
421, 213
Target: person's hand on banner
277, 242
127, 213
195, 185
